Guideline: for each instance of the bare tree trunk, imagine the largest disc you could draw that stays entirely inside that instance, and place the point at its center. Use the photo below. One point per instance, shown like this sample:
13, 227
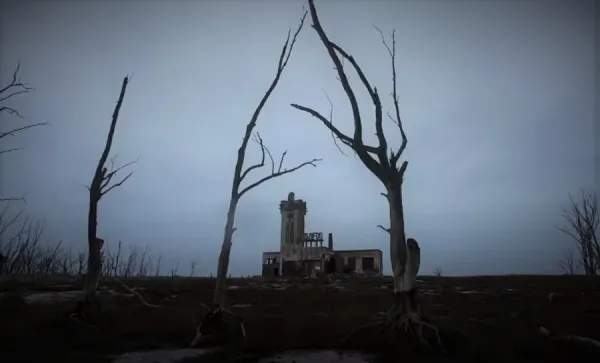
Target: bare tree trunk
223, 267
98, 188
405, 258
218, 317
382, 162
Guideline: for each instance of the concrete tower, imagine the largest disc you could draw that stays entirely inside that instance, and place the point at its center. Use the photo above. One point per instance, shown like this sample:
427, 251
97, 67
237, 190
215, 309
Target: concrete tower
292, 227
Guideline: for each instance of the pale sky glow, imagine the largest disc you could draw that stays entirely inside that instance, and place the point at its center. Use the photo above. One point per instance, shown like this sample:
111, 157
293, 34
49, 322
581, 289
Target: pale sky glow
497, 100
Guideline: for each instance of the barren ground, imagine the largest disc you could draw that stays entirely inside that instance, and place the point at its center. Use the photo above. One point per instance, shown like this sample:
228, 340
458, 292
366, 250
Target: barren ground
484, 319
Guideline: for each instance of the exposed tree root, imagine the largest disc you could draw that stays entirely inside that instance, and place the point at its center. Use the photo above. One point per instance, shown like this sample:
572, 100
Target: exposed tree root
140, 297
404, 318
88, 310
218, 322
395, 321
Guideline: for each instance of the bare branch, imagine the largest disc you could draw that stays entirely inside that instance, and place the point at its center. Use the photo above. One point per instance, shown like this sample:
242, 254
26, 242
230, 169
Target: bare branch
342, 137
5, 223
331, 122
14, 131
132, 291
239, 176
14, 88
10, 150
385, 169
107, 177
382, 227
116, 185
278, 173
7, 91
583, 220
283, 59
392, 52
259, 141
12, 199
567, 264
382, 148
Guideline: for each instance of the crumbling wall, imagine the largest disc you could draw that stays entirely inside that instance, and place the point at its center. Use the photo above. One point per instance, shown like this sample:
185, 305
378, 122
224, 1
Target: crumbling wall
270, 270
293, 268
338, 263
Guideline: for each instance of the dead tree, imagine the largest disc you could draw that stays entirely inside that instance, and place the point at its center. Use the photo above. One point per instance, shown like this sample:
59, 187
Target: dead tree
567, 264
99, 187
14, 88
582, 226
218, 311
404, 254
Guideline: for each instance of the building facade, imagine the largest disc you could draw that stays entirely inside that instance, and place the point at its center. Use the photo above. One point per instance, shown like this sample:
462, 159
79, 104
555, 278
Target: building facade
302, 253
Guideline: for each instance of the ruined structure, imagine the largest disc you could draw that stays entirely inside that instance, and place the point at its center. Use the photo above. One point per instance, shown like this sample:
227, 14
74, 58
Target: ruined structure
302, 253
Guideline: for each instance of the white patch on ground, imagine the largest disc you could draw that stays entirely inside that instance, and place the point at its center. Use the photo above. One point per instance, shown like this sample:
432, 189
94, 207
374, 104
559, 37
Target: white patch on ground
52, 297
319, 356
160, 356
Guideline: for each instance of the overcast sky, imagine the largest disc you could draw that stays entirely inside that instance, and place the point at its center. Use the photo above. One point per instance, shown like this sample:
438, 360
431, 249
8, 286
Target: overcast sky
497, 99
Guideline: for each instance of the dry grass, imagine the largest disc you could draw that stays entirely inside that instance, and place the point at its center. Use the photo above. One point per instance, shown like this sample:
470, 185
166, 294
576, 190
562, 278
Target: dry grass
499, 323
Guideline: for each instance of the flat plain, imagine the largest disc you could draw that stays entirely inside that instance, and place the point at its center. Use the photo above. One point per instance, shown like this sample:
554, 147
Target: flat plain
481, 319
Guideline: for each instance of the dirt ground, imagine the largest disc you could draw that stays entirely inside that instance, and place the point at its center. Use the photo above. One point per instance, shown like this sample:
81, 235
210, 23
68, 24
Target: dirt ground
482, 319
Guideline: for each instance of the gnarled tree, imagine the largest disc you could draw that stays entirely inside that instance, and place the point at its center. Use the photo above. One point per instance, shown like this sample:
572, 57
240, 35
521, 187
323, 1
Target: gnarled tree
99, 187
218, 316
405, 254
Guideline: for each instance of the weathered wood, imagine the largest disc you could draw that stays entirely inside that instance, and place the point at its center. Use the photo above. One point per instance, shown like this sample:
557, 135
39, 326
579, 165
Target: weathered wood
97, 189
219, 308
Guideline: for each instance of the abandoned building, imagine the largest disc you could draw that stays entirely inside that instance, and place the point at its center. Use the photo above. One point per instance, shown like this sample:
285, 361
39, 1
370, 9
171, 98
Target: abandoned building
302, 253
